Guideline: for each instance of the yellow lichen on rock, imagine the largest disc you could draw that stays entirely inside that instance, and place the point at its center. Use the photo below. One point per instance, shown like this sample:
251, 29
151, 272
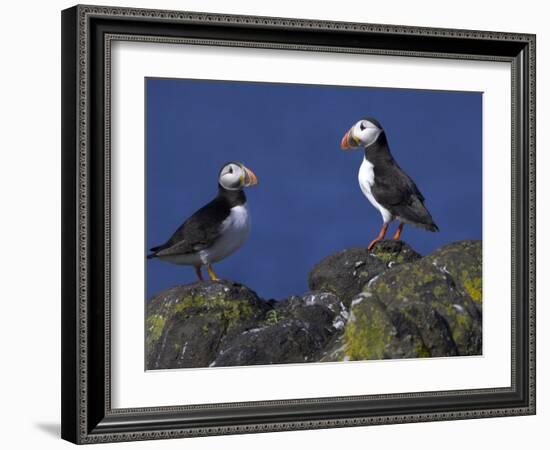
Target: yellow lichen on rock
367, 334
473, 286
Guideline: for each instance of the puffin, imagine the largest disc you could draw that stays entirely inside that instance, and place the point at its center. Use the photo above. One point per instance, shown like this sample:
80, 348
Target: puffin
387, 187
217, 229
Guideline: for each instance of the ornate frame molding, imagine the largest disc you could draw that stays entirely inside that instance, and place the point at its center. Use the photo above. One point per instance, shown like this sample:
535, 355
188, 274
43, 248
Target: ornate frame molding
87, 422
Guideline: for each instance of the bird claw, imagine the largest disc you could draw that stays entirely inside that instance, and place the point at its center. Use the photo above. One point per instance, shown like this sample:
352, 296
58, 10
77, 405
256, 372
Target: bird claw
372, 245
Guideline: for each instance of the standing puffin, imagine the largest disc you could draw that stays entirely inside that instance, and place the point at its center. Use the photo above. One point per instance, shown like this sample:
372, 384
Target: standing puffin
217, 229
388, 188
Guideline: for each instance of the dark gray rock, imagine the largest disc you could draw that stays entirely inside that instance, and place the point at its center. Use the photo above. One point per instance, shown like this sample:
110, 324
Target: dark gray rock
186, 325
346, 272
295, 331
314, 305
430, 307
335, 350
461, 261
289, 341
394, 253
389, 303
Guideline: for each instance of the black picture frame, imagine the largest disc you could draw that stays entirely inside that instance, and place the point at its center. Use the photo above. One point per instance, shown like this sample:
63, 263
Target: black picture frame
87, 415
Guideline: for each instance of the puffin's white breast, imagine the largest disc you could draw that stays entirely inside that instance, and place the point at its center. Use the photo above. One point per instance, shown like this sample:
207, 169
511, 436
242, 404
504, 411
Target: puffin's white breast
234, 231
366, 181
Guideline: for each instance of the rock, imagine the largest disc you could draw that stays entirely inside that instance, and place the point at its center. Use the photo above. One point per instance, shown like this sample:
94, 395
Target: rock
346, 272
290, 341
387, 304
312, 305
186, 325
295, 331
335, 350
430, 307
462, 261
395, 252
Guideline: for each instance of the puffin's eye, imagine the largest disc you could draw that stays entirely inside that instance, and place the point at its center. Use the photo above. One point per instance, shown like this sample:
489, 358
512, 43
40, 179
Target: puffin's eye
362, 126
230, 169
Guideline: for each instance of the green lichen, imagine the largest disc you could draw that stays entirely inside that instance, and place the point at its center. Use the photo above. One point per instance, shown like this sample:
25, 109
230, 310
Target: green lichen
231, 312
273, 316
382, 287
423, 284
462, 261
367, 335
388, 257
439, 291
154, 325
473, 287
444, 281
460, 322
422, 351
404, 283
463, 320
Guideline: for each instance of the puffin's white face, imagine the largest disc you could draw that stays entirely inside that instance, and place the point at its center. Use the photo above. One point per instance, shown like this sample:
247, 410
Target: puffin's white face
235, 176
363, 133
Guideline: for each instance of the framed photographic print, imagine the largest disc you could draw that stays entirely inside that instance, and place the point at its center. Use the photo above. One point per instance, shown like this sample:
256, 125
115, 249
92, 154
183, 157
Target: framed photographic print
268, 222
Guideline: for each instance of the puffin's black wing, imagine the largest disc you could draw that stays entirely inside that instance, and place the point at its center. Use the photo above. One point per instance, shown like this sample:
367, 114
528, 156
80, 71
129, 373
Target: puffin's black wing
198, 232
398, 193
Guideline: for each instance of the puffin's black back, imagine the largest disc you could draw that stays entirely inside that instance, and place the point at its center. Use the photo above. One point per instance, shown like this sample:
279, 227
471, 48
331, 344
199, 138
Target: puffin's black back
203, 228
394, 189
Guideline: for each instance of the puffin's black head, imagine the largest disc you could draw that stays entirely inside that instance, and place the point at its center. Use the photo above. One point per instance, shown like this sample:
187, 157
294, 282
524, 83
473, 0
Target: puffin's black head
364, 133
234, 176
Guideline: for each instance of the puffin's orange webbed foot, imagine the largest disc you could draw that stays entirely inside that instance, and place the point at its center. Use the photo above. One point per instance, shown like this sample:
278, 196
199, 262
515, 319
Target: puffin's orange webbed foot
373, 244
380, 236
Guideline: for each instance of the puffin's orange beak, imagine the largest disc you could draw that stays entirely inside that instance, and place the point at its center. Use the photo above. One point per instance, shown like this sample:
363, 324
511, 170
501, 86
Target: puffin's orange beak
250, 177
345, 143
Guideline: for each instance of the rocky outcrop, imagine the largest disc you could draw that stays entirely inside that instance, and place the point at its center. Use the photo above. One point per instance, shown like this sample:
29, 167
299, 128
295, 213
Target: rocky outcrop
187, 325
391, 303
226, 324
346, 272
295, 331
431, 307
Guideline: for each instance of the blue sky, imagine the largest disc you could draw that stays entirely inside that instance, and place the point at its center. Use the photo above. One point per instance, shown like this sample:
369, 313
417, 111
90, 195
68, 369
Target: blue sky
308, 203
